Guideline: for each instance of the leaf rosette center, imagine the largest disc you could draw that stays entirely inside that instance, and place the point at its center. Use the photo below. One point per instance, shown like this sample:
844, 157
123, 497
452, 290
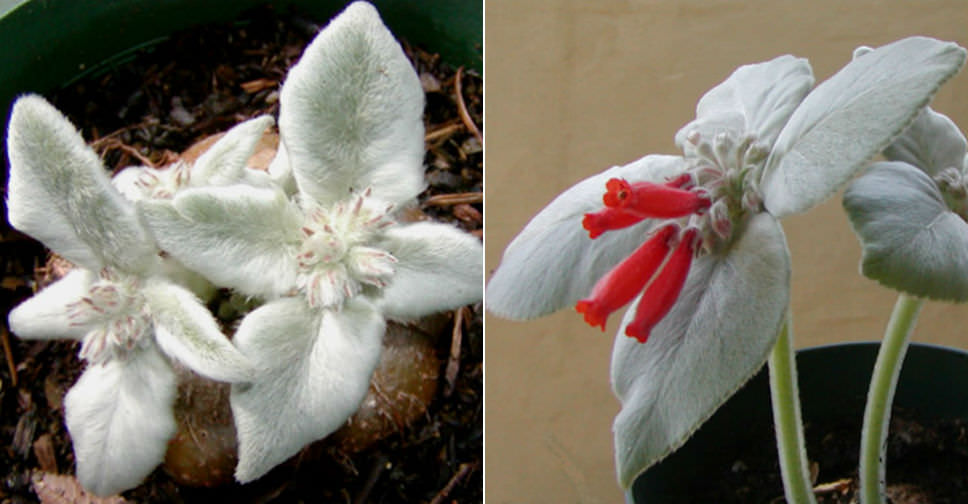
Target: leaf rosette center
337, 257
117, 314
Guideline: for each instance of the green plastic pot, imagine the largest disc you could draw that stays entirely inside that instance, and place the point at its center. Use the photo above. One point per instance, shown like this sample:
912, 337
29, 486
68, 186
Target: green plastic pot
833, 384
48, 43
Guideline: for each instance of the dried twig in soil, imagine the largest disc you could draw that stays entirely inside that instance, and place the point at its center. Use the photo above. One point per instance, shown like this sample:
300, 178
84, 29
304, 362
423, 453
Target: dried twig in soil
8, 353
44, 451
454, 199
840, 485
254, 86
442, 133
453, 362
463, 471
375, 471
462, 107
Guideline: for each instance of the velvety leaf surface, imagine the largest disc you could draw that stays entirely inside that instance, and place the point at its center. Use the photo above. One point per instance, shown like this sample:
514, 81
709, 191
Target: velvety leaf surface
440, 268
315, 368
932, 143
755, 99
47, 315
350, 113
120, 418
852, 116
187, 332
552, 263
912, 242
60, 194
236, 236
715, 338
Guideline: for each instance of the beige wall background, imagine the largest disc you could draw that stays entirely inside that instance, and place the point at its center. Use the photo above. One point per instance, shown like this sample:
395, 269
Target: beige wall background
574, 87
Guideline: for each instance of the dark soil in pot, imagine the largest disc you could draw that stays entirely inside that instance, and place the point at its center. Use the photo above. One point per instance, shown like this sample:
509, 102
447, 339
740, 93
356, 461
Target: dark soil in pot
733, 459
927, 463
146, 111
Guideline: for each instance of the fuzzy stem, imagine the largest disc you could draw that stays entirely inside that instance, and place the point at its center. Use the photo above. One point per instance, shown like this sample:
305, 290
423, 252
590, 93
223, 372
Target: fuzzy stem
877, 414
787, 420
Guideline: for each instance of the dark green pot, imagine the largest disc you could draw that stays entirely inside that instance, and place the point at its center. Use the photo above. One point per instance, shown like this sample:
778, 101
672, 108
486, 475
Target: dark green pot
47, 43
833, 384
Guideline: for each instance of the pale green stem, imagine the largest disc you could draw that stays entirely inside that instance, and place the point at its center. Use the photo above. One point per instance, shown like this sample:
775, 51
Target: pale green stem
787, 421
877, 414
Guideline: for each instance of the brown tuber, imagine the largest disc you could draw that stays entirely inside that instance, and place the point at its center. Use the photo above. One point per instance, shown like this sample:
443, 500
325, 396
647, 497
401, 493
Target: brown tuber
203, 450
403, 385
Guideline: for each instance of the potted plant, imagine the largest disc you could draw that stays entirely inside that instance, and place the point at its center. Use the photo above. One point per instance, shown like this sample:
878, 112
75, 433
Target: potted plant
735, 447
33, 121
693, 243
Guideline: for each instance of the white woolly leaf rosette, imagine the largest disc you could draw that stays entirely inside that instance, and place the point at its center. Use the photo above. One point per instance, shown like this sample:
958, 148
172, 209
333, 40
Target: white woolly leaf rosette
693, 241
327, 254
119, 302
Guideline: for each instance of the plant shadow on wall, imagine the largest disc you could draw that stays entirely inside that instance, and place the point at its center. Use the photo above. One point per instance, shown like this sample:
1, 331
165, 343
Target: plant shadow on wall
147, 111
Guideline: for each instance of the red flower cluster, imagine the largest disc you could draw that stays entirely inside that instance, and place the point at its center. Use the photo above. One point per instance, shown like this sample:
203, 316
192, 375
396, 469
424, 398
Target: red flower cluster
659, 266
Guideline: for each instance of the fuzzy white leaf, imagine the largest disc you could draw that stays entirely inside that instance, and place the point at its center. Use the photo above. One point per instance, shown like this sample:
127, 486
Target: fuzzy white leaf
119, 415
176, 272
126, 182
552, 263
440, 268
755, 99
281, 173
46, 315
187, 332
236, 236
350, 113
932, 143
316, 368
852, 116
225, 162
912, 241
60, 194
715, 338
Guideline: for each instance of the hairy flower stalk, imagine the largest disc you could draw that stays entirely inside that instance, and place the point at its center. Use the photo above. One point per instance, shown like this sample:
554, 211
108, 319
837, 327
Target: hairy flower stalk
909, 213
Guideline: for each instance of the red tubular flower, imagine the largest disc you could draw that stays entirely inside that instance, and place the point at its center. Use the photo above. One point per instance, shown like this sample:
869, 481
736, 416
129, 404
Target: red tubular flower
662, 293
609, 219
662, 201
627, 279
